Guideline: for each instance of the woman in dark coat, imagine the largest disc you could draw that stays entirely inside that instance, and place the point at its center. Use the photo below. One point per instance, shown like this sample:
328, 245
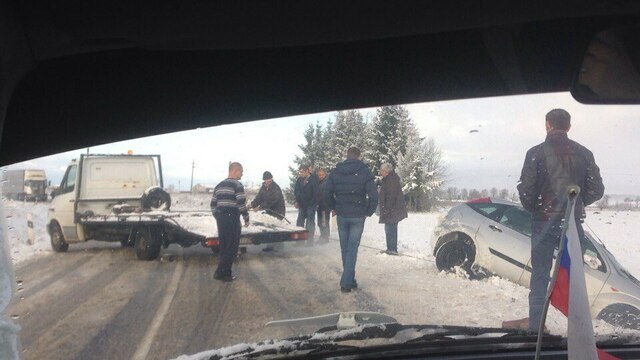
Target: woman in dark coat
392, 206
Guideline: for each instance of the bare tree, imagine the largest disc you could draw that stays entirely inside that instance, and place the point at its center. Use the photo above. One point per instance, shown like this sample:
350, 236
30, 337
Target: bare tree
464, 194
453, 193
474, 194
603, 203
504, 194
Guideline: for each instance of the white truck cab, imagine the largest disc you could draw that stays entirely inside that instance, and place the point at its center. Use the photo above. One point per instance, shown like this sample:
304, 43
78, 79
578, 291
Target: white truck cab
91, 187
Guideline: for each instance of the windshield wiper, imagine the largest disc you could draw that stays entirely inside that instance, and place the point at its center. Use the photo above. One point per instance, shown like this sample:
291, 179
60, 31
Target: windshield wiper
362, 326
462, 332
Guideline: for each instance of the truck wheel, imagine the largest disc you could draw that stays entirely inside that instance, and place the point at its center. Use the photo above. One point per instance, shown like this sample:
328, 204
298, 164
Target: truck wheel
126, 243
156, 199
148, 243
57, 239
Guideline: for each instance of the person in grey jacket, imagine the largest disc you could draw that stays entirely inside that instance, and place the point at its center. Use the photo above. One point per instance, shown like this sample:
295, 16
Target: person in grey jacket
548, 171
351, 193
392, 206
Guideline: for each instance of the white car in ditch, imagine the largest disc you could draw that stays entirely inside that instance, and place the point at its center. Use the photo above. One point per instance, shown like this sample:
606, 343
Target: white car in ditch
489, 235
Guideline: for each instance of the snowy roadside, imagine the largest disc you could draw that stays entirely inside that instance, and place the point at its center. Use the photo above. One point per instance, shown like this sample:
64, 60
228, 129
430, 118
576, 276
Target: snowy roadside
18, 231
414, 292
409, 286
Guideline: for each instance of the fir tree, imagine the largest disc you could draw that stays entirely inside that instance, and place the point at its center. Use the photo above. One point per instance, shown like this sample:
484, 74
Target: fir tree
348, 130
391, 131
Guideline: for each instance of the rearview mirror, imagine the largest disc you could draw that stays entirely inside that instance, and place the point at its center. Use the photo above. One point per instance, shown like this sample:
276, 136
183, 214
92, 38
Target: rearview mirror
610, 69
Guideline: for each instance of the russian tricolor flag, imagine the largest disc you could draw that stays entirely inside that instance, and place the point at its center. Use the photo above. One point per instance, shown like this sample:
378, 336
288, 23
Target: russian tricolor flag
569, 295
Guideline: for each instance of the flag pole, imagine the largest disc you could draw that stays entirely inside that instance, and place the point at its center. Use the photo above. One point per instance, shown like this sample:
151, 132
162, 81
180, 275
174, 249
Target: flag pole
573, 192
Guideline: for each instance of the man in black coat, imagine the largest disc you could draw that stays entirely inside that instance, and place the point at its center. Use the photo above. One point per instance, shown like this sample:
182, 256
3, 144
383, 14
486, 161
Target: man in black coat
392, 206
269, 198
324, 209
307, 196
549, 169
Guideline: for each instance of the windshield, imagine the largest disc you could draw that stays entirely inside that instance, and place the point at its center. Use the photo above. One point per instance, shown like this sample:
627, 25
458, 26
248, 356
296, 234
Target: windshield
144, 277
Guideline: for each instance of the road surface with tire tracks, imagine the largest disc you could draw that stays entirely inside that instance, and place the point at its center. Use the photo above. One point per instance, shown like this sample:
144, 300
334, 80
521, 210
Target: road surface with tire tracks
97, 301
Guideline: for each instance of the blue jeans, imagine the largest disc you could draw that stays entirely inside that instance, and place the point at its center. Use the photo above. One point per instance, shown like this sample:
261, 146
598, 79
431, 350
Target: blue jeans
350, 232
391, 232
302, 215
545, 237
324, 216
307, 219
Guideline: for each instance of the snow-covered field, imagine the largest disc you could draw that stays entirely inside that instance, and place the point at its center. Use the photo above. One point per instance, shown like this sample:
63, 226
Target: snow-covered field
409, 286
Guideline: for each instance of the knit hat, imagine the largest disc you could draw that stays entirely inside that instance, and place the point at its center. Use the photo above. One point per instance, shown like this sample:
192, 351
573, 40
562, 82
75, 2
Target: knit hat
267, 175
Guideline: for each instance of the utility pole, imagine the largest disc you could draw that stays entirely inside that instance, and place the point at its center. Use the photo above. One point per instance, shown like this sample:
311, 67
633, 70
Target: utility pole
193, 166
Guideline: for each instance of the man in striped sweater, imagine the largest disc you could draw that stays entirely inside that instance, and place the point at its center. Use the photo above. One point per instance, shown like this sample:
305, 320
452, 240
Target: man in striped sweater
227, 204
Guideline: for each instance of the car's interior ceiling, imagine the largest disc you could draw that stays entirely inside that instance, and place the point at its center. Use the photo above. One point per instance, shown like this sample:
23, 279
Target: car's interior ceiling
94, 72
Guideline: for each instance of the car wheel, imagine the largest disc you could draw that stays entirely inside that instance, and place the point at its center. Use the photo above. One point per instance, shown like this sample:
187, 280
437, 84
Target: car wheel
148, 243
455, 253
623, 315
57, 239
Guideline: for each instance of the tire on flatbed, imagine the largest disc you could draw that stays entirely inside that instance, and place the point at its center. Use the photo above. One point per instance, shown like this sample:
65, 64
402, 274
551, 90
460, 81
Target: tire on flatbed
148, 243
156, 199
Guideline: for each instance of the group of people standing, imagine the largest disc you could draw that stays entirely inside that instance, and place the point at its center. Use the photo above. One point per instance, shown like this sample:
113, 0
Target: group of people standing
311, 204
349, 192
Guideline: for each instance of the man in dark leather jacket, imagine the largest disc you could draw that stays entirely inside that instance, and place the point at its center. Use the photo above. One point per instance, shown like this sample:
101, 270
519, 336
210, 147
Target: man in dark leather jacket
549, 169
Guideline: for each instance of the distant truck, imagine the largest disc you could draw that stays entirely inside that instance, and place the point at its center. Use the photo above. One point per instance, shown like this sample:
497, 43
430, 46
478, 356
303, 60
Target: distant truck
120, 198
25, 184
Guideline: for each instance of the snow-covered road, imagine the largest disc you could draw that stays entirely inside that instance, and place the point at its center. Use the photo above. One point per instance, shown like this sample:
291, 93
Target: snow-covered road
100, 302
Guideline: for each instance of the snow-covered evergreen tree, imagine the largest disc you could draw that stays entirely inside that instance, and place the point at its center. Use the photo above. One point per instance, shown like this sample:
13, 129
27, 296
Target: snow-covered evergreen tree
390, 137
391, 130
309, 157
421, 172
348, 130
324, 140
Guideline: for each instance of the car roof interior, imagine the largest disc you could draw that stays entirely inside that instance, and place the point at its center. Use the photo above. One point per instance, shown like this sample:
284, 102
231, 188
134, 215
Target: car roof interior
81, 73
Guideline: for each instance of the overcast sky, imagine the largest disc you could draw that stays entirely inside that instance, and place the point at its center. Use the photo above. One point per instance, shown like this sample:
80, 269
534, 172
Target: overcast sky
492, 156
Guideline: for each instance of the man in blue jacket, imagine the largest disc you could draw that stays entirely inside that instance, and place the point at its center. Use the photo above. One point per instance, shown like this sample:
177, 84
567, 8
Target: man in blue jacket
351, 193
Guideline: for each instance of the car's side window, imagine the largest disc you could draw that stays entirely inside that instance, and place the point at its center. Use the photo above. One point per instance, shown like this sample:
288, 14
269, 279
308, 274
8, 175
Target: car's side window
490, 210
69, 180
591, 256
518, 220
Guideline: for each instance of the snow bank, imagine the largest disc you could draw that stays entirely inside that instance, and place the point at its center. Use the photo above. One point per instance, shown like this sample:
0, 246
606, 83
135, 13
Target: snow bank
21, 247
